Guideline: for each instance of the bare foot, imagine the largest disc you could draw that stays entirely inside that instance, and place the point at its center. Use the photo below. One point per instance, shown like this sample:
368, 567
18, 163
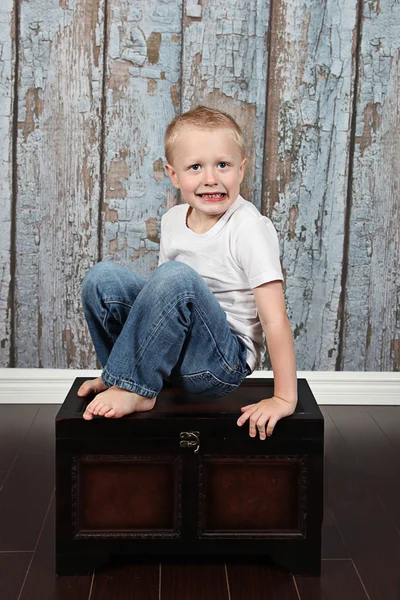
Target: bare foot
115, 402
92, 385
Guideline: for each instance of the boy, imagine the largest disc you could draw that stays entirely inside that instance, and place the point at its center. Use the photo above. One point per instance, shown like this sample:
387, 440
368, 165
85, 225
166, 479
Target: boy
198, 320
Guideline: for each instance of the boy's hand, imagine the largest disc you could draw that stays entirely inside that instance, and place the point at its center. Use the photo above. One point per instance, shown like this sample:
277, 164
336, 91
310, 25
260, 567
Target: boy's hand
266, 411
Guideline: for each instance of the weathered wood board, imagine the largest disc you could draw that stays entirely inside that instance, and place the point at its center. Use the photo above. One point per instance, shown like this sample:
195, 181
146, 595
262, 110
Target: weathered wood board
224, 66
306, 164
315, 87
58, 168
372, 306
142, 96
7, 69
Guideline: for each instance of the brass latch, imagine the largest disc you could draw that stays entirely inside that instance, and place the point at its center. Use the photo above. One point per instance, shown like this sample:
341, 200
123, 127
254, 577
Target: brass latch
190, 439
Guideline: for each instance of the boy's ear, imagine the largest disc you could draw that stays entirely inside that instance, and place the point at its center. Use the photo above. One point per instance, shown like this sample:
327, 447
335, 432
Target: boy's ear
172, 175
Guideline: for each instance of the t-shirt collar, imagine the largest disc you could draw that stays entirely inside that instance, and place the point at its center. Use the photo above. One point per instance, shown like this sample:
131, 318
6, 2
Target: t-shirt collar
218, 225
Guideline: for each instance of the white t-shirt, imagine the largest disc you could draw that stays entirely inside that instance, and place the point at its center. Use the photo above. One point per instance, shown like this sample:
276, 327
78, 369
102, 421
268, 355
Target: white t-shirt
240, 252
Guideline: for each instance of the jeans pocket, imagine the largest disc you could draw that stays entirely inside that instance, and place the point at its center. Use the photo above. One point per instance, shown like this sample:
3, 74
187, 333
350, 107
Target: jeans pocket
207, 384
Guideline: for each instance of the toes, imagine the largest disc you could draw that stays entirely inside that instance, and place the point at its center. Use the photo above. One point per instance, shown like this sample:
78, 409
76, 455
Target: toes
87, 415
110, 413
84, 389
92, 386
98, 406
91, 407
103, 409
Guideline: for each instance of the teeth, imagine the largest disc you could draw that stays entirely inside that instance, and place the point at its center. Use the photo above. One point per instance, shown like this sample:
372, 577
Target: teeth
212, 195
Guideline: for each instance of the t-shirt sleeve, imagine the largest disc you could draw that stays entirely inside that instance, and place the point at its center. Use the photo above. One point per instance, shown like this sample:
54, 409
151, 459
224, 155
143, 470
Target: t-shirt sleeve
257, 251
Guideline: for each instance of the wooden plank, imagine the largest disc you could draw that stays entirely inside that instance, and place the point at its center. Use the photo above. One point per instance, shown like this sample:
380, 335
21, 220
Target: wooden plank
332, 543
307, 142
26, 494
376, 456
366, 528
339, 579
142, 95
261, 581
13, 567
3, 475
372, 307
41, 581
59, 141
136, 581
224, 66
15, 421
200, 581
7, 69
388, 419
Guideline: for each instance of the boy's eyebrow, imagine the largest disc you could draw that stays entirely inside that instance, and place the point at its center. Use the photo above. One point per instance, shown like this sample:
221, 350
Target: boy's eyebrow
194, 161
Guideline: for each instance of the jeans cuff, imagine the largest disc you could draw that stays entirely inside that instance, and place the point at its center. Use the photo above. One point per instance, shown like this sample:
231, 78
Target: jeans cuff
125, 384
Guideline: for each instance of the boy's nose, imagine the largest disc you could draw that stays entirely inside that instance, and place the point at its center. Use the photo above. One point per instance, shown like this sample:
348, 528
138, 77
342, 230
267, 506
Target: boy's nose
210, 177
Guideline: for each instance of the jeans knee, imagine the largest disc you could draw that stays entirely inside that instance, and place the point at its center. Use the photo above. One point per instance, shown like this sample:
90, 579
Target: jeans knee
177, 276
178, 269
95, 276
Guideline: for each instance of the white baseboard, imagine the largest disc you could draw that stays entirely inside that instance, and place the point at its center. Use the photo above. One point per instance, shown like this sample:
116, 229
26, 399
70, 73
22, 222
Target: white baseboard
50, 386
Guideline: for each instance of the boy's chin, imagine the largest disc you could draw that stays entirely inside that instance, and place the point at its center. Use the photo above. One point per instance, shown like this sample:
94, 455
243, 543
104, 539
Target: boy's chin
215, 202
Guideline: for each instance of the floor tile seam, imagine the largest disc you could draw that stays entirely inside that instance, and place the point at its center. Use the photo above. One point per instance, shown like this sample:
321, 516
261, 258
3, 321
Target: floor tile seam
91, 585
5, 473
387, 512
37, 543
338, 429
390, 446
340, 533
390, 442
385, 515
386, 436
16, 552
9, 470
227, 582
295, 587
361, 581
358, 461
350, 554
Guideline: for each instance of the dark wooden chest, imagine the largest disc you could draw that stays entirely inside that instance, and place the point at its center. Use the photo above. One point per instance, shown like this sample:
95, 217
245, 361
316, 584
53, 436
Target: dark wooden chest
185, 480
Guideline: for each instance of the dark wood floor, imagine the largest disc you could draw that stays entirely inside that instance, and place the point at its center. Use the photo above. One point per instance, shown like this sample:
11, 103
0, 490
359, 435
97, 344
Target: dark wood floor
361, 533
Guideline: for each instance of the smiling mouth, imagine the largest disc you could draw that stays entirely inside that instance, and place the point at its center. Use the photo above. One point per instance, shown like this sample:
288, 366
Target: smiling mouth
213, 196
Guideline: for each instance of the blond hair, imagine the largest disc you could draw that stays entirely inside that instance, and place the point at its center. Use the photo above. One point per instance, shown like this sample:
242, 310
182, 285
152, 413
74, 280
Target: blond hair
203, 118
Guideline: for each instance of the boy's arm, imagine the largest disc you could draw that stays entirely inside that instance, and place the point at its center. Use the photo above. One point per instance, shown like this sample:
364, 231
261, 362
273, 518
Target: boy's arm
264, 415
271, 309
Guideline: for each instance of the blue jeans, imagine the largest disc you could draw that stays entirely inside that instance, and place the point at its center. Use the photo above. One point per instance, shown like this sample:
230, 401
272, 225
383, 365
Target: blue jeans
168, 328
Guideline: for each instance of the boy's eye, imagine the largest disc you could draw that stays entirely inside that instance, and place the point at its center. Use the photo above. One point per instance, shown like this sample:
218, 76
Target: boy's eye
196, 167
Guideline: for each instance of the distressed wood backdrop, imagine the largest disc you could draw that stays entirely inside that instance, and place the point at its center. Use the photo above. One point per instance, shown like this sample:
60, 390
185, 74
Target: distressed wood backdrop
86, 90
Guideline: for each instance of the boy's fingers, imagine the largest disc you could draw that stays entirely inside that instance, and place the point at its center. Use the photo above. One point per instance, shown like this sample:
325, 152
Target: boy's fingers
244, 417
271, 425
254, 418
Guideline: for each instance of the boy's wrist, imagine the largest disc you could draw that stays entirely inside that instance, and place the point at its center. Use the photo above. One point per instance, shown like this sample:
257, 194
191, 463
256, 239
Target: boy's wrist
289, 398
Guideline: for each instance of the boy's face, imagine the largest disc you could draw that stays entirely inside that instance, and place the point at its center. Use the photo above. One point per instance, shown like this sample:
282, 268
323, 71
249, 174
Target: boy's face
208, 169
